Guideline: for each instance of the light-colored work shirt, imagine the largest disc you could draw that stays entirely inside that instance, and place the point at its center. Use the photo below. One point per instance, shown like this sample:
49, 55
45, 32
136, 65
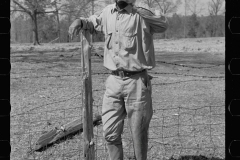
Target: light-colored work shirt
128, 36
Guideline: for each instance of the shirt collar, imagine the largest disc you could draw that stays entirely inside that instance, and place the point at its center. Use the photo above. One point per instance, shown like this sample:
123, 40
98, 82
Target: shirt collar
128, 8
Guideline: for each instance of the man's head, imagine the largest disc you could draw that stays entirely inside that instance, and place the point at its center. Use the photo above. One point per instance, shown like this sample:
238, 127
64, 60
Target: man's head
127, 1
123, 3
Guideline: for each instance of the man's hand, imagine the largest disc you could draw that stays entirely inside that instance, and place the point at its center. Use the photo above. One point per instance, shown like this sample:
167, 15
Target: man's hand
74, 28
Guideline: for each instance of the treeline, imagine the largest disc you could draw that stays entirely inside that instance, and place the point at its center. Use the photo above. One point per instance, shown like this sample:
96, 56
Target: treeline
44, 21
21, 30
194, 27
205, 26
39, 21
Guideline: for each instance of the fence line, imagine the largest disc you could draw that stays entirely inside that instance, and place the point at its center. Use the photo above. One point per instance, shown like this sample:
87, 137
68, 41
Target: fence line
174, 130
154, 141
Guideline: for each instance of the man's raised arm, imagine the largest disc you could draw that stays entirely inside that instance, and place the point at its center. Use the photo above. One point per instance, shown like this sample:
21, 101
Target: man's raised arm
158, 23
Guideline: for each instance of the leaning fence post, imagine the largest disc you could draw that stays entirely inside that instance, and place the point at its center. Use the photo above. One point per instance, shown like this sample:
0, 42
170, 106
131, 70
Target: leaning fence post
88, 145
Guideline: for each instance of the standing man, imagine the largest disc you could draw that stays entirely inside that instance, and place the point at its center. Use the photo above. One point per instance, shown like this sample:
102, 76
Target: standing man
128, 54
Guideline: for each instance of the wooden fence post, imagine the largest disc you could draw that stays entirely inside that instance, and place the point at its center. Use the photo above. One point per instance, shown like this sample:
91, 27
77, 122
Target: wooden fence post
88, 144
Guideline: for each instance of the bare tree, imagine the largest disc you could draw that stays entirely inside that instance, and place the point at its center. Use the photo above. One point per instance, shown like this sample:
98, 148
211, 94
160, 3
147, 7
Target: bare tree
32, 8
165, 6
74, 8
215, 6
58, 6
214, 9
150, 3
194, 6
185, 16
168, 6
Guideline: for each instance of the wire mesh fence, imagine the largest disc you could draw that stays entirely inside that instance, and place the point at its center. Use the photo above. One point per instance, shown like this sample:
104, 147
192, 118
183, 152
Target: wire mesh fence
50, 96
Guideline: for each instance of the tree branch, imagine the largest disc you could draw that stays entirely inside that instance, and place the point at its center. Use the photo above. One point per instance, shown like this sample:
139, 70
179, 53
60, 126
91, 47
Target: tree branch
159, 6
82, 7
18, 10
19, 5
46, 12
30, 3
214, 7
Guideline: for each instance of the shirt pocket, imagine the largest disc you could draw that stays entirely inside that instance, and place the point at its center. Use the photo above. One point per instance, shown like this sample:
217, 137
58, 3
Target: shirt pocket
129, 41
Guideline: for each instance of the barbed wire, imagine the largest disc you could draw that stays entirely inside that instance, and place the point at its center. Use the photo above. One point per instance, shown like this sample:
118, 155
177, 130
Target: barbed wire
155, 141
173, 134
188, 66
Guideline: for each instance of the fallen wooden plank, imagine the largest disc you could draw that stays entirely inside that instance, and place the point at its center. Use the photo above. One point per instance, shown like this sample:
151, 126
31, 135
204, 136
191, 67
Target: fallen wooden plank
58, 135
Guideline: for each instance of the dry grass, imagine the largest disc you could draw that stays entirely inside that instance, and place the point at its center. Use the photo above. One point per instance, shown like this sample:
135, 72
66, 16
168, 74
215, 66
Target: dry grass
188, 100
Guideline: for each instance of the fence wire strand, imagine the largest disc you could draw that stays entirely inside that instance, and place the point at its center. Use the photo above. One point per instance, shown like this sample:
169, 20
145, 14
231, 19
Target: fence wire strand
174, 130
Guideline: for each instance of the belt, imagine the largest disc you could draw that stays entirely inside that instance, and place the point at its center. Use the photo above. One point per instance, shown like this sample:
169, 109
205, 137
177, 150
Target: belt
123, 74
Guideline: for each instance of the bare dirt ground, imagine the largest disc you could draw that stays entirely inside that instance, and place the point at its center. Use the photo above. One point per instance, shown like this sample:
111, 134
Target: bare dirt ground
206, 45
188, 98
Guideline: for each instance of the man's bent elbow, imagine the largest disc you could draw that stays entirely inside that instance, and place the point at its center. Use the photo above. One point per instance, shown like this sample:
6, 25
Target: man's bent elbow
165, 27
161, 29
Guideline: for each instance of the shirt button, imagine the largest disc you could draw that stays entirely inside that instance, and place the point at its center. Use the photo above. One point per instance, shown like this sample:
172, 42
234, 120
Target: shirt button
116, 42
116, 30
117, 18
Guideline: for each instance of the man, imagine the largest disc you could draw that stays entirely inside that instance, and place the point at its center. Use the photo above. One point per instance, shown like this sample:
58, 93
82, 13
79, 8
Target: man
128, 54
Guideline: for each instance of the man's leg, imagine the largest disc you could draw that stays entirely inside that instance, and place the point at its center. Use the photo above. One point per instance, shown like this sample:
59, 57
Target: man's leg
113, 114
139, 110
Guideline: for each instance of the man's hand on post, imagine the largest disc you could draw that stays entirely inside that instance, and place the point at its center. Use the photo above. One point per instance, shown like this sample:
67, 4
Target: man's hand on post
74, 28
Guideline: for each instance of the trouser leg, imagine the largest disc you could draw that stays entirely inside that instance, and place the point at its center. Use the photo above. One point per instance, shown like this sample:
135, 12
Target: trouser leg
115, 151
113, 114
139, 110
139, 127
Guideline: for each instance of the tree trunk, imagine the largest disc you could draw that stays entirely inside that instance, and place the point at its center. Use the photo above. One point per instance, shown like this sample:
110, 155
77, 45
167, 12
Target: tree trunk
58, 23
35, 29
59, 29
16, 33
216, 25
213, 21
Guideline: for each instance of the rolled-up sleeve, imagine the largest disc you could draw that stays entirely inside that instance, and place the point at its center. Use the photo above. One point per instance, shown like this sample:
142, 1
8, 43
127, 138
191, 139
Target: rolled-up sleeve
157, 24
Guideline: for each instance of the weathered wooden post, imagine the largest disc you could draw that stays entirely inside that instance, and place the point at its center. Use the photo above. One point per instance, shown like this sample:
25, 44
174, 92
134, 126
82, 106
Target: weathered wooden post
88, 144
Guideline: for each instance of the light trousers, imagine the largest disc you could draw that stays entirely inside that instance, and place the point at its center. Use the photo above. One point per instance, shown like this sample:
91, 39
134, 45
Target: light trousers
131, 97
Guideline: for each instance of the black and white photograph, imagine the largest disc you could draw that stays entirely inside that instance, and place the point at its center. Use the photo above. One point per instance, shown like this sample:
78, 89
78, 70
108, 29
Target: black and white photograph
117, 79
